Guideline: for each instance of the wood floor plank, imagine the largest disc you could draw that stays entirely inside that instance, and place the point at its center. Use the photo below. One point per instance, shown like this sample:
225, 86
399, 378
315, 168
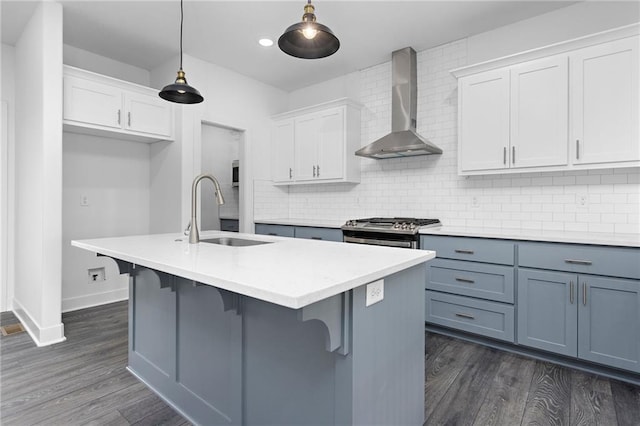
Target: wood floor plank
591, 400
507, 394
166, 417
134, 411
549, 401
464, 397
112, 418
441, 371
626, 399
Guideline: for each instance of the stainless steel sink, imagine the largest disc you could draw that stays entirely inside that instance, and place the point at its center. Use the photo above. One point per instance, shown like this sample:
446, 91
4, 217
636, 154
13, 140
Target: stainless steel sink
234, 242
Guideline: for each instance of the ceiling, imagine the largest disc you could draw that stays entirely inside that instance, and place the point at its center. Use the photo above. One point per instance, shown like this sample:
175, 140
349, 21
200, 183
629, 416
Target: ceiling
146, 33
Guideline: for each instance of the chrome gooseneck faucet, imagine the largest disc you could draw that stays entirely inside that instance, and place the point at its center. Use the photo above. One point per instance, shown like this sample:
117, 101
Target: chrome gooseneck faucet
194, 236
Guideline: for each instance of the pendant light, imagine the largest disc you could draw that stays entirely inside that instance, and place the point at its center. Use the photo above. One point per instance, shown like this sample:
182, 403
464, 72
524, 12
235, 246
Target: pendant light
180, 92
308, 39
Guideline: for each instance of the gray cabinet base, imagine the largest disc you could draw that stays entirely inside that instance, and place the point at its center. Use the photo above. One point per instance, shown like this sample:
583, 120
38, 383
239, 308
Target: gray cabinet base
219, 359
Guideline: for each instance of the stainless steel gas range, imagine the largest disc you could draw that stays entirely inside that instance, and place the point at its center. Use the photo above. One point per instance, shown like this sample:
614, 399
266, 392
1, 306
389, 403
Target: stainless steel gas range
391, 232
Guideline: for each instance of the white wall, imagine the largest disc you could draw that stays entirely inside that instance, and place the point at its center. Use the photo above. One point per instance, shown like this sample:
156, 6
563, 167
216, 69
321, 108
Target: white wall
102, 65
220, 147
428, 186
38, 165
7, 213
231, 100
114, 176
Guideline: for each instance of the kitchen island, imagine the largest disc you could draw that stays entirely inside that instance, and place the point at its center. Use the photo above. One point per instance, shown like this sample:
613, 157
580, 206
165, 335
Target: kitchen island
278, 331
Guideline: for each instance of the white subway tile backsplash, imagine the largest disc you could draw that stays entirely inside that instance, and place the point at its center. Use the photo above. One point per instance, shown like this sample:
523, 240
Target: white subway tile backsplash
429, 186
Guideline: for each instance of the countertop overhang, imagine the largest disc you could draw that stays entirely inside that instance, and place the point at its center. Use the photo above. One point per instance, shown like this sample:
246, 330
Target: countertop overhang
289, 272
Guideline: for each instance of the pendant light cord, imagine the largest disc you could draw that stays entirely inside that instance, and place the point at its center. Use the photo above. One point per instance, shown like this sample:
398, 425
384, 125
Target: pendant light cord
181, 20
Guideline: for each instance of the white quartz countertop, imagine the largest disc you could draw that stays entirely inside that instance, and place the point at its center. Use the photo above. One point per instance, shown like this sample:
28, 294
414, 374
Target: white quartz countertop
289, 272
320, 223
595, 238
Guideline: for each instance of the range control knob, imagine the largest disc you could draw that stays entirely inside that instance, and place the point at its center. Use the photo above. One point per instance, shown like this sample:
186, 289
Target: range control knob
412, 226
405, 225
397, 225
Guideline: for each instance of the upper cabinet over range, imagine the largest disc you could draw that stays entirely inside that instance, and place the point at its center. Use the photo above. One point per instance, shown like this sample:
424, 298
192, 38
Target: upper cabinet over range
102, 105
317, 144
569, 106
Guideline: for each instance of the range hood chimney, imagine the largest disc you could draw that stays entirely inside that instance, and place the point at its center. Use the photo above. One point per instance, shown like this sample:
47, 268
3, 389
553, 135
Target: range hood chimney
403, 141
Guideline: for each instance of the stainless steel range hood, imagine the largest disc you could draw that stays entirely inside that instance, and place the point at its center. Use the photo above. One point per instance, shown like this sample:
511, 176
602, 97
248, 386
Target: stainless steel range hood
403, 141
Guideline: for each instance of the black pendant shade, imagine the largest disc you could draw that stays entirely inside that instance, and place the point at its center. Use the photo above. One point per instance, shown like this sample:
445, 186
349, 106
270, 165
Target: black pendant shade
309, 39
180, 92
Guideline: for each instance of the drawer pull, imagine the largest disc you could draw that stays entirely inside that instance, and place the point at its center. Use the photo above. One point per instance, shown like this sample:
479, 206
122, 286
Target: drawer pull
316, 238
468, 316
463, 251
465, 280
578, 262
273, 233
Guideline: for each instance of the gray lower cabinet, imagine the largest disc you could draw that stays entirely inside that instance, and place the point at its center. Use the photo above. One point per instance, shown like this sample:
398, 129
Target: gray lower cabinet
307, 232
593, 318
470, 285
230, 225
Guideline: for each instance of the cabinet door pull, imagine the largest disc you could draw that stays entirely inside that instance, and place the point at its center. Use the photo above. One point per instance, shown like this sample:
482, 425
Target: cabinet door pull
290, 173
316, 238
129, 119
272, 233
571, 292
318, 171
118, 117
504, 155
584, 293
577, 149
464, 280
463, 251
578, 262
314, 171
468, 316
513, 155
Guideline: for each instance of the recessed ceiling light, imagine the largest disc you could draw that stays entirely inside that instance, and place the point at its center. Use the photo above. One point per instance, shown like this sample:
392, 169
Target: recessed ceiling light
266, 42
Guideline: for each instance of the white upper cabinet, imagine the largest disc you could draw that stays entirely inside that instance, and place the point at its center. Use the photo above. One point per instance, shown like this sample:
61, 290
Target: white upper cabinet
283, 160
604, 99
317, 144
484, 121
539, 113
568, 106
96, 104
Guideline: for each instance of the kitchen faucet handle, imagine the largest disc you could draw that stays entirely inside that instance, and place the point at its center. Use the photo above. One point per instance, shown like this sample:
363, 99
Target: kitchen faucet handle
187, 229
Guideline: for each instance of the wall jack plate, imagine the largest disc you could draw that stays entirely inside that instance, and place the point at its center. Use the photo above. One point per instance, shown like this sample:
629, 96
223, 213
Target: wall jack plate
375, 292
96, 275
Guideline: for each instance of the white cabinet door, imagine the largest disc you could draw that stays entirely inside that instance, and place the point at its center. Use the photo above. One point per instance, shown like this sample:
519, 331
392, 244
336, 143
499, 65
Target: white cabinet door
283, 156
147, 114
484, 121
91, 102
331, 144
604, 102
539, 113
306, 154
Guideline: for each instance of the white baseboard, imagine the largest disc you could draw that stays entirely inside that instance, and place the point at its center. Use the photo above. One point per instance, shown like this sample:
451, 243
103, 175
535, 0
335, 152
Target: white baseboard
95, 299
41, 336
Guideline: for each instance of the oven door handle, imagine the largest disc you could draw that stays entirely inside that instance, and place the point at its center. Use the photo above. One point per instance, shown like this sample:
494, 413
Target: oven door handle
388, 243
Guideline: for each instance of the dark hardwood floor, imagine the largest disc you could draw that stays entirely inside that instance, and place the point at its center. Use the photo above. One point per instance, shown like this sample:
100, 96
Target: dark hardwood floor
83, 381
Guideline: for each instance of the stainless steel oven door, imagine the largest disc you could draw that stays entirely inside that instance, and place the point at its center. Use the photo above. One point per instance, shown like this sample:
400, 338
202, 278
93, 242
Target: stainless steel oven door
380, 242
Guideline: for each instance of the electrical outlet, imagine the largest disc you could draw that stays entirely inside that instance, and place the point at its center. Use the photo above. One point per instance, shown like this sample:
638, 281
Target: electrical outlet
375, 292
475, 203
84, 200
96, 275
582, 200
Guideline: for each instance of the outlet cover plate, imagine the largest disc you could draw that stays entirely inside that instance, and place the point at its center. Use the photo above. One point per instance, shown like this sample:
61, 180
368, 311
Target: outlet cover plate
97, 275
375, 292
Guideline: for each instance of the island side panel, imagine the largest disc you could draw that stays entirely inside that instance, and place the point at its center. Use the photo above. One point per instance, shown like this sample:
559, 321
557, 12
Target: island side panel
387, 352
186, 347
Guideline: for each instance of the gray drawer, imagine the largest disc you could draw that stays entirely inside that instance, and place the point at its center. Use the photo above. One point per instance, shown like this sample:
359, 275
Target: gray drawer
491, 319
475, 249
492, 282
312, 233
279, 230
597, 260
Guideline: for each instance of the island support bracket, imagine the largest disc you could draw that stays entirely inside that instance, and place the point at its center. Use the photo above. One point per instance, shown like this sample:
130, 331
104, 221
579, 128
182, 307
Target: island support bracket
335, 314
123, 266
